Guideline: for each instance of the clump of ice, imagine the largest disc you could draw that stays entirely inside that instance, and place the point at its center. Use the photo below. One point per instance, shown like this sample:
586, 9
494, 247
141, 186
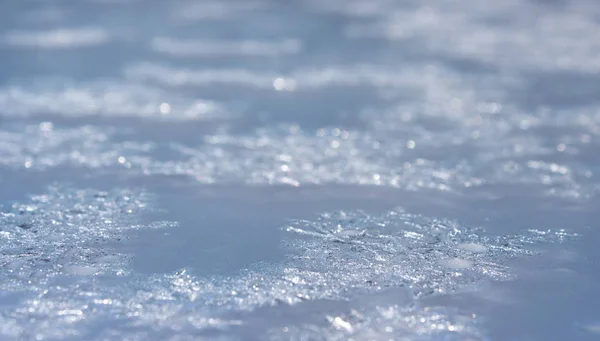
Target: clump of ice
53, 249
64, 230
402, 249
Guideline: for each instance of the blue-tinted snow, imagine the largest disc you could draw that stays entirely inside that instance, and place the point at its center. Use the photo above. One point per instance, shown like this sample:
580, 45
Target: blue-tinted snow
314, 170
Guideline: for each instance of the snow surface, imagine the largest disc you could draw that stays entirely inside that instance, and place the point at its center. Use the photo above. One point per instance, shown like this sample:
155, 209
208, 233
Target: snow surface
308, 170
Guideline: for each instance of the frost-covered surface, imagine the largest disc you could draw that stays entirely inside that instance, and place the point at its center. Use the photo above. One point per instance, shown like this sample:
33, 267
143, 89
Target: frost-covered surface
480, 120
58, 259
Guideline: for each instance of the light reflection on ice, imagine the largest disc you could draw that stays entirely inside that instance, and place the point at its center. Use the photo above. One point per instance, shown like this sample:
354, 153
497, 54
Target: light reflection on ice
460, 98
38, 147
364, 260
289, 155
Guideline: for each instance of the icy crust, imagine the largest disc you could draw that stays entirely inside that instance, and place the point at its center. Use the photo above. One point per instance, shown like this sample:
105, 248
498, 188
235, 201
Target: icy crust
354, 257
350, 253
53, 247
60, 280
289, 155
64, 231
43, 146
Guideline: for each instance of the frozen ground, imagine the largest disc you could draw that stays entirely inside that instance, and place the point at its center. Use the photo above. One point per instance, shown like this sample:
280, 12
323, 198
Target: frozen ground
299, 170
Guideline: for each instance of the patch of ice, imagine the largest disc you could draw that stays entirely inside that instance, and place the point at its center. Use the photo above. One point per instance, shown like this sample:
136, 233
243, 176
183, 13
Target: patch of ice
289, 155
59, 231
34, 263
355, 257
345, 256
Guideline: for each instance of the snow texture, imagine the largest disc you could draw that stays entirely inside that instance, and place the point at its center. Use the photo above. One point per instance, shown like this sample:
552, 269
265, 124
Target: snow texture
57, 258
481, 120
